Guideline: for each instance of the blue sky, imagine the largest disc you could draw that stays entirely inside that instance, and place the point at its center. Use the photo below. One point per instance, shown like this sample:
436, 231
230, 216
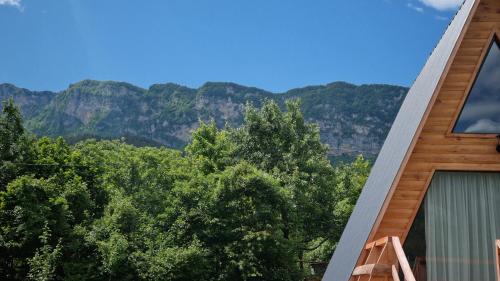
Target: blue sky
270, 44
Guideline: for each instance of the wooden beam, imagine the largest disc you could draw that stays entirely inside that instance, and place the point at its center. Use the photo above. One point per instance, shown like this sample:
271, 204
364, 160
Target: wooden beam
378, 242
403, 262
395, 274
373, 270
497, 257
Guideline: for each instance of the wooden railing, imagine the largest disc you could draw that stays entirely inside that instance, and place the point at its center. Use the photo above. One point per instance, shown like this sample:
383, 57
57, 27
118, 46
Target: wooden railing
497, 257
386, 256
384, 259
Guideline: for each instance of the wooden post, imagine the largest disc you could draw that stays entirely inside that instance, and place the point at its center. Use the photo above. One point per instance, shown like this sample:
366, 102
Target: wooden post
497, 258
382, 260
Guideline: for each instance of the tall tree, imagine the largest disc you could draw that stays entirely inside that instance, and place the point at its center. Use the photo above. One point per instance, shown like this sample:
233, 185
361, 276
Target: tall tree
14, 143
283, 144
246, 227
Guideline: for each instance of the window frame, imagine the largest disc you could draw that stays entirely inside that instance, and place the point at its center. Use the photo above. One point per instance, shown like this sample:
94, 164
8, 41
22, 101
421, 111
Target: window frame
494, 35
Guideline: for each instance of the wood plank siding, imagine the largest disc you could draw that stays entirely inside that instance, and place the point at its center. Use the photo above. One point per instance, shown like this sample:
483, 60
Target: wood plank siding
436, 147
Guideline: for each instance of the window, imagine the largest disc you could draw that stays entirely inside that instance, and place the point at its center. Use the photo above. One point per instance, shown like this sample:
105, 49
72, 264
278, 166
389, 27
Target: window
453, 235
481, 112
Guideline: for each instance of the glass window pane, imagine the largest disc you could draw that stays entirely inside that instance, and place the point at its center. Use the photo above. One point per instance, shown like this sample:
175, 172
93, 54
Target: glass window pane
454, 233
481, 112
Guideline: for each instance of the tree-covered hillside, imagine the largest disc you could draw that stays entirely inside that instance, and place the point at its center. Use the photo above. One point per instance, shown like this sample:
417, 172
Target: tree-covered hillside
256, 202
352, 119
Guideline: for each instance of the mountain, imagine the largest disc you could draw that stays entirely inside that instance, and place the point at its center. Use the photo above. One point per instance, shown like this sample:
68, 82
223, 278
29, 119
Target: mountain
353, 119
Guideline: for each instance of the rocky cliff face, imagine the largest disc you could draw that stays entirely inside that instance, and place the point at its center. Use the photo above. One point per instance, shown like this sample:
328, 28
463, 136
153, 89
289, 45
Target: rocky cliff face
31, 102
353, 119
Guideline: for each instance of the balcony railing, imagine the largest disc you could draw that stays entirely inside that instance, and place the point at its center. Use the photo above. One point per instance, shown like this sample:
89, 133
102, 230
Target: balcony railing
384, 260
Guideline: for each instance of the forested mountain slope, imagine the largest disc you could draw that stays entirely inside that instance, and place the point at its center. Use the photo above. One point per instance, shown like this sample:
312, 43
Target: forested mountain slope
353, 119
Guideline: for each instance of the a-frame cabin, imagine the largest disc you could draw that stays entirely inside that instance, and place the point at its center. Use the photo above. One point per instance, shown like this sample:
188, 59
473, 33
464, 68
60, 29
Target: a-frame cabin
430, 209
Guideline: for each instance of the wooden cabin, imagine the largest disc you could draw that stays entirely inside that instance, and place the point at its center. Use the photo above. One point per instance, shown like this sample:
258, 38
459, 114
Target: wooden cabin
430, 209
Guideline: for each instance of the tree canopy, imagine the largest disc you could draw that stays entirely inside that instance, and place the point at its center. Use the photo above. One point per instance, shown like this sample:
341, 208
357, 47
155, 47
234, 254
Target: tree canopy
257, 202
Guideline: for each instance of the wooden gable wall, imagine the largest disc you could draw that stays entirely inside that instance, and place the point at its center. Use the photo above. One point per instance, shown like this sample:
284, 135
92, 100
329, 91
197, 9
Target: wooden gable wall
436, 148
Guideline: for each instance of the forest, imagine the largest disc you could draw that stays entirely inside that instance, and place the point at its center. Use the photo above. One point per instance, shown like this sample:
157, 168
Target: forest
260, 201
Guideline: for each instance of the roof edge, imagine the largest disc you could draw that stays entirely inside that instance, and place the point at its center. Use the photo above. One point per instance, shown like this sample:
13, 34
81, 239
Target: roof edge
395, 149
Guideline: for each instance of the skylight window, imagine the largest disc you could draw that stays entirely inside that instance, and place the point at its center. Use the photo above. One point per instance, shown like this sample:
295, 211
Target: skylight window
481, 112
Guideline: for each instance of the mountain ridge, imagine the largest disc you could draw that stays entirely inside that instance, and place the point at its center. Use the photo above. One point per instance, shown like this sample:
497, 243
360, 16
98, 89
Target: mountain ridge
353, 119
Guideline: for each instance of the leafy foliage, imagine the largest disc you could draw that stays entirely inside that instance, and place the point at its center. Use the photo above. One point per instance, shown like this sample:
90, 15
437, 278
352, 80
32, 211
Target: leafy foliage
256, 202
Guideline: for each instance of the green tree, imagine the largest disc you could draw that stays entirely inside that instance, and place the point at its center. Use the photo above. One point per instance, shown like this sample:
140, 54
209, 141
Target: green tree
349, 180
45, 189
26, 207
43, 264
15, 144
316, 199
248, 203
246, 227
143, 233
283, 144
211, 148
180, 263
